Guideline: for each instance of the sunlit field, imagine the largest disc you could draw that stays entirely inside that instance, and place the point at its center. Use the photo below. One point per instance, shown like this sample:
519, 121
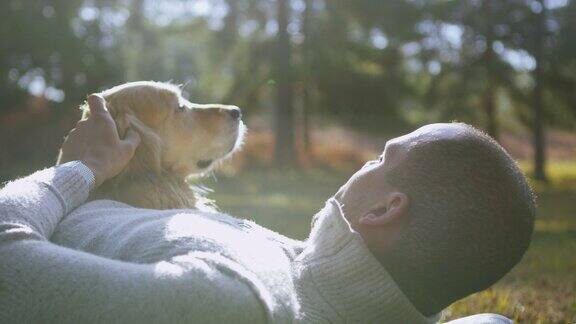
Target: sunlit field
541, 289
322, 85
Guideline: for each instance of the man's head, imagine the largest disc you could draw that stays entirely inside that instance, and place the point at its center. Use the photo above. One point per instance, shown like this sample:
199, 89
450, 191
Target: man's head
445, 209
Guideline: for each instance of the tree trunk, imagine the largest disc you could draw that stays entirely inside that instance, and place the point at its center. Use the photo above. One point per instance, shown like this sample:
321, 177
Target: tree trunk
136, 37
306, 78
488, 57
490, 108
284, 113
229, 34
538, 100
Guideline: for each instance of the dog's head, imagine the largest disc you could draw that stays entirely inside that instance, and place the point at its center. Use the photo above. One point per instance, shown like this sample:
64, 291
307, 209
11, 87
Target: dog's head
178, 137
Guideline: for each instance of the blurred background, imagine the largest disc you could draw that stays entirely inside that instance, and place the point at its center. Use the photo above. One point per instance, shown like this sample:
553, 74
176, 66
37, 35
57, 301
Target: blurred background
322, 84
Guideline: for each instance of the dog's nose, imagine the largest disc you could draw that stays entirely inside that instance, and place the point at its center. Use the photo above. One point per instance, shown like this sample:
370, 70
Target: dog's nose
235, 113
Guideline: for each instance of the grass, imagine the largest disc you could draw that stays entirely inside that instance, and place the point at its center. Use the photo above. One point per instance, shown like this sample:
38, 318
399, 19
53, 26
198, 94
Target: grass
541, 289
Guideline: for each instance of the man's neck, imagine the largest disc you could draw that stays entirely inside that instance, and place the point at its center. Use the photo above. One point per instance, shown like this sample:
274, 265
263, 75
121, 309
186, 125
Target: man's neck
418, 290
339, 277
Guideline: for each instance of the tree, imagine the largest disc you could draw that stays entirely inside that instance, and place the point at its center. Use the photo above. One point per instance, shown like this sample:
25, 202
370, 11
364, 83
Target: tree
284, 112
135, 46
306, 74
538, 100
476, 76
488, 62
52, 55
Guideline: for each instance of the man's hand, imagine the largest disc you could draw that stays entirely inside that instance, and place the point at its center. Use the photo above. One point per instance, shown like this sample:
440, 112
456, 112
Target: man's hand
95, 142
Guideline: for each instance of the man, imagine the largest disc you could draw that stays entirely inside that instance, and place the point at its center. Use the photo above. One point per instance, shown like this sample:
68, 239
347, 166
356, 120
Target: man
443, 213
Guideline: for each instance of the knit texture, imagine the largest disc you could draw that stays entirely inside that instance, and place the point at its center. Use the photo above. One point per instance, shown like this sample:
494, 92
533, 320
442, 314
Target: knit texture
340, 281
109, 262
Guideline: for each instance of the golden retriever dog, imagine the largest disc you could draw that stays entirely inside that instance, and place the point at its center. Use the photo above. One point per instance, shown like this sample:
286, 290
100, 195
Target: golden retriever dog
180, 141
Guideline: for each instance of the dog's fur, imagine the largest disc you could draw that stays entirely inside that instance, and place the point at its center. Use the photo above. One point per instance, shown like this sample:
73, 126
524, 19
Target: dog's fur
178, 140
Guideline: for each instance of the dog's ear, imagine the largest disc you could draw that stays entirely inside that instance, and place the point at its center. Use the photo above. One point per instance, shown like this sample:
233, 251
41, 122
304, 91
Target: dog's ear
148, 155
117, 114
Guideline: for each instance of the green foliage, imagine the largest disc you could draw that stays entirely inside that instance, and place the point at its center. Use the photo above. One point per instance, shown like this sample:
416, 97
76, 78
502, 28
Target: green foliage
49, 41
79, 46
397, 62
378, 66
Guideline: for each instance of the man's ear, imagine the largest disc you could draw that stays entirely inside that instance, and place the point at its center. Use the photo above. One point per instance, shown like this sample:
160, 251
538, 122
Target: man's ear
394, 207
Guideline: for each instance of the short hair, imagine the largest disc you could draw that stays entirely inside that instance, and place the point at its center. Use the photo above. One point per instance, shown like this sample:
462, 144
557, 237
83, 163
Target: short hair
471, 218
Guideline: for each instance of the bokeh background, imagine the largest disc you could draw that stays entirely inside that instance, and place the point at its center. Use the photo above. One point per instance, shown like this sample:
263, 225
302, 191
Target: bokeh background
322, 84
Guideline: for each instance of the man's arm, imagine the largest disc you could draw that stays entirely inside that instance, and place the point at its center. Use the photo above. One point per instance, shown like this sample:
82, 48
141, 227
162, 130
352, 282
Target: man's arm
91, 153
43, 282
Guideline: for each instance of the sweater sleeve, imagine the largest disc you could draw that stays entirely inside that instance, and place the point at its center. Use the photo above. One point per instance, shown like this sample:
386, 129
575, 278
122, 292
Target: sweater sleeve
46, 283
31, 207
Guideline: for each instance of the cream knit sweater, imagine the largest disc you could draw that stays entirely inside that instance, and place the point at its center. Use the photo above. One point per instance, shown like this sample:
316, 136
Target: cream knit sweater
108, 262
